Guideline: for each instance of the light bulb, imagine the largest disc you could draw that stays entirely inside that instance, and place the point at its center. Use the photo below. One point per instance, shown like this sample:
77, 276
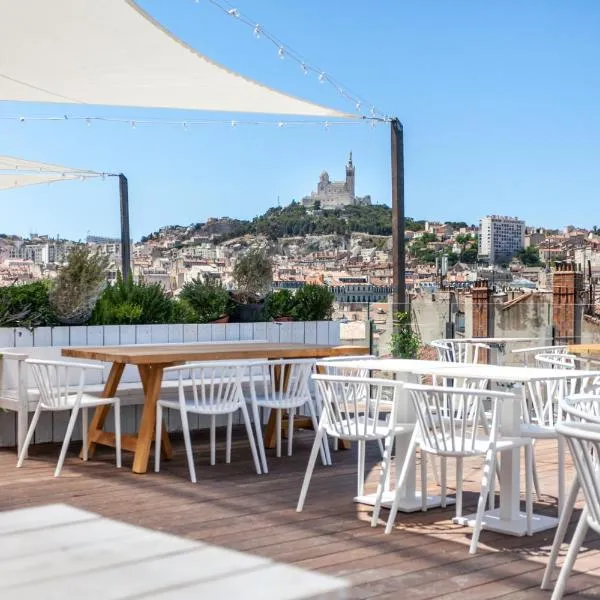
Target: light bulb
280, 124
233, 123
257, 31
326, 125
322, 77
22, 119
358, 105
88, 122
132, 124
233, 12
304, 69
281, 52
185, 126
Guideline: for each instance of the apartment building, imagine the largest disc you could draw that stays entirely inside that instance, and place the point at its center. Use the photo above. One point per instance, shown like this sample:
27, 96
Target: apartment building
500, 238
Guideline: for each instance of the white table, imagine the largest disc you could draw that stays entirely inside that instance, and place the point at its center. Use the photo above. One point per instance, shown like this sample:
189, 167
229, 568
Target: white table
404, 370
508, 518
58, 552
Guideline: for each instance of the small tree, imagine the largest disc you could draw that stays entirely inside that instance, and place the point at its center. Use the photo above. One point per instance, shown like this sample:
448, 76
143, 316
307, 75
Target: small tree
78, 286
313, 303
210, 300
253, 272
405, 342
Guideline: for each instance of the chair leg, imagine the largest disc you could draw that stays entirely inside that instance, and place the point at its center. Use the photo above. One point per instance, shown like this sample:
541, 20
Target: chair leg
66, 441
259, 437
488, 469
443, 480
561, 474
360, 481
383, 477
84, 432
412, 448
492, 494
228, 442
574, 546
536, 481
29, 436
22, 418
434, 469
278, 436
381, 448
310, 467
290, 430
213, 440
459, 486
325, 456
246, 416
423, 481
187, 439
157, 436
563, 524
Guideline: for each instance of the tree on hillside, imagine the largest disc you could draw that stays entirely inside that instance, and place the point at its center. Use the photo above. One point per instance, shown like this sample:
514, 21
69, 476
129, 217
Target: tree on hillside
530, 256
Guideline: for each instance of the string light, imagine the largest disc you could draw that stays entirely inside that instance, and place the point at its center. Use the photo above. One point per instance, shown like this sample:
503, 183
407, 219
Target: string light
285, 51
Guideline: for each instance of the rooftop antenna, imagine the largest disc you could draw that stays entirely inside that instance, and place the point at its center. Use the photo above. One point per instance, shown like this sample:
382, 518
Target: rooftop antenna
278, 203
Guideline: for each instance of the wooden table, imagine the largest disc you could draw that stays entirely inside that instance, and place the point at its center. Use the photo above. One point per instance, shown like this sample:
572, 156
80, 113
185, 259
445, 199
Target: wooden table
58, 552
151, 360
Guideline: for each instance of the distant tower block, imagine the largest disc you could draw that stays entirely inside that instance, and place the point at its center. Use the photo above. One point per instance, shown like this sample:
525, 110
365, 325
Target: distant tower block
337, 194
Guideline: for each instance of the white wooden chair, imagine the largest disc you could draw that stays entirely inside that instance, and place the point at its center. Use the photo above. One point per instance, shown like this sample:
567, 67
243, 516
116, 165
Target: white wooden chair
57, 392
347, 416
450, 427
216, 389
580, 427
281, 385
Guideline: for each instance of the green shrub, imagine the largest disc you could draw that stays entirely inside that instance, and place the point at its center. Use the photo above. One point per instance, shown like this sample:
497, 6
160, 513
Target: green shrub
405, 342
130, 303
279, 304
26, 305
313, 303
78, 286
210, 301
183, 312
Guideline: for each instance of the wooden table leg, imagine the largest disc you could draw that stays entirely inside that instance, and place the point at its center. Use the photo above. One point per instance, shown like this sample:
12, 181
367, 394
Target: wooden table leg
167, 449
148, 422
110, 391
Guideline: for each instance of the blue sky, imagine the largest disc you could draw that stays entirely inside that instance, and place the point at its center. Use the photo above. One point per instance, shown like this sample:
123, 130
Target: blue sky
500, 102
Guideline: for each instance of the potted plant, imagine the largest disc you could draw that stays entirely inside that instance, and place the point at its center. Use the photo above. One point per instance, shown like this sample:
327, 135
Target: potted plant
78, 286
253, 275
313, 302
405, 342
209, 300
279, 305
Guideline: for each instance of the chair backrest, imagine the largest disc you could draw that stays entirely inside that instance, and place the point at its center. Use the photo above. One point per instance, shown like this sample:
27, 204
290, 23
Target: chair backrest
214, 386
353, 407
443, 349
459, 351
527, 352
55, 381
555, 360
452, 420
285, 381
337, 366
581, 429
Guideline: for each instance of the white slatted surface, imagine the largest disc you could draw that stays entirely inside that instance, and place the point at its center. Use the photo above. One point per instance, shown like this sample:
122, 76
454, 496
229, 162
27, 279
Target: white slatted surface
58, 552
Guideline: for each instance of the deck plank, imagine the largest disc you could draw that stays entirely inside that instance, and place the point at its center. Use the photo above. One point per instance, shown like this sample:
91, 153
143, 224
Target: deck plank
426, 556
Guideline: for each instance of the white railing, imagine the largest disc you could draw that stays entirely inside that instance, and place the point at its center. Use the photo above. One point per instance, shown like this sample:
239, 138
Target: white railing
52, 426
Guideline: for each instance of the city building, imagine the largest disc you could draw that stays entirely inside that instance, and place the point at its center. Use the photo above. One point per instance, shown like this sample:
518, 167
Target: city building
336, 194
500, 238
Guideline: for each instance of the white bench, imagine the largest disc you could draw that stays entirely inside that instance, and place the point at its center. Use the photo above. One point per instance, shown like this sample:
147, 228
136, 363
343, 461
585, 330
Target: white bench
19, 394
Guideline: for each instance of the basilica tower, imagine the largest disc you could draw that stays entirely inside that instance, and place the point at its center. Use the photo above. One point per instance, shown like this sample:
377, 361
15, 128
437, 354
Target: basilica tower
350, 178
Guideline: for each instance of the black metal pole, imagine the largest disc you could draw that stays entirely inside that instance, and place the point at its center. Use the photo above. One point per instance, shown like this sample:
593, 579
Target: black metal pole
125, 237
398, 225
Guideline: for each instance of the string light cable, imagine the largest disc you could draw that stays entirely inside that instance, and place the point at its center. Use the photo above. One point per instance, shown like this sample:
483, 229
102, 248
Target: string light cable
284, 51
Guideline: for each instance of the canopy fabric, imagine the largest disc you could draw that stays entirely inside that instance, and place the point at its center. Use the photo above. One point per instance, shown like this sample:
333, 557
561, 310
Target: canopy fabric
110, 52
9, 181
20, 165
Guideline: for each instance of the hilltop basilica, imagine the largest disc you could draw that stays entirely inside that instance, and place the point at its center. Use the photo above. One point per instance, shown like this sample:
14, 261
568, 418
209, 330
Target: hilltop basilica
336, 194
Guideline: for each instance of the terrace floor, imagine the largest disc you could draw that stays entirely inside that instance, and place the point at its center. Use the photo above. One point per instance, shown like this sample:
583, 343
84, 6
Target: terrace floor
425, 557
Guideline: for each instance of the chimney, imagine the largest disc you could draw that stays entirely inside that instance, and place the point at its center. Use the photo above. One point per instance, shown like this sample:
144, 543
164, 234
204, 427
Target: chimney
567, 303
483, 314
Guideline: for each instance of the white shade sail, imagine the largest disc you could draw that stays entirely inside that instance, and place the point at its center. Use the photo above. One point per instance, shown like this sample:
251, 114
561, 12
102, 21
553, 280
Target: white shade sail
20, 165
9, 181
110, 52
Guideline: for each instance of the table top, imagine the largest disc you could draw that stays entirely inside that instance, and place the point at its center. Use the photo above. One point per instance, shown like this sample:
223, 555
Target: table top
499, 373
584, 349
58, 552
179, 353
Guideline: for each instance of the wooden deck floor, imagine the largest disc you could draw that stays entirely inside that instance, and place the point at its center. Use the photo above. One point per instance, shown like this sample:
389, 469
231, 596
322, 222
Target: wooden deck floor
425, 557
